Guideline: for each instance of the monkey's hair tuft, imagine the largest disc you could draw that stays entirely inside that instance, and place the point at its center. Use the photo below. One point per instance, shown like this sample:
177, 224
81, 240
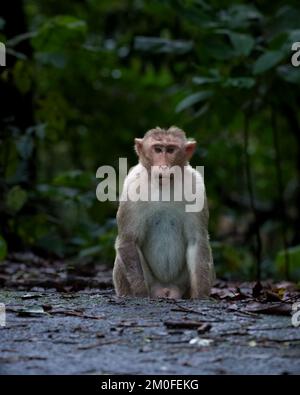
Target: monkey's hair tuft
159, 132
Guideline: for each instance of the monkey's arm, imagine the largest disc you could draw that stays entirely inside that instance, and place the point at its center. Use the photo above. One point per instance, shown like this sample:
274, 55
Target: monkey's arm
200, 267
128, 274
199, 259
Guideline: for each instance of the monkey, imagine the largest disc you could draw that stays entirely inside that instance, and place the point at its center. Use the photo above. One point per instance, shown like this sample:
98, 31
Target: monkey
162, 251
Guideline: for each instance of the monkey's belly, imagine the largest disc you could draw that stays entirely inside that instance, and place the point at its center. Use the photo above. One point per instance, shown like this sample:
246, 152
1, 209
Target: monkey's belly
164, 247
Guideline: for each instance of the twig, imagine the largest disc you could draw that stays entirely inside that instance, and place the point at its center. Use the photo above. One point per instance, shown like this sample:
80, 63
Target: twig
77, 314
100, 343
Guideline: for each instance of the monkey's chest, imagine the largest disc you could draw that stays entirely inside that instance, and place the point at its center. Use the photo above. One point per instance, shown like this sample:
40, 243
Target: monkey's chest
163, 243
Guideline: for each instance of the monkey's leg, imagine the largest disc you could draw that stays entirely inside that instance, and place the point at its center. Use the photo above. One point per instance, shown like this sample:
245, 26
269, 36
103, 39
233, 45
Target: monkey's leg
200, 267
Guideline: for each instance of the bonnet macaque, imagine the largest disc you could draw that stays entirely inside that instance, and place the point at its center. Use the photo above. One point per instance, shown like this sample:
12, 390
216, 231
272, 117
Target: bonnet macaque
162, 249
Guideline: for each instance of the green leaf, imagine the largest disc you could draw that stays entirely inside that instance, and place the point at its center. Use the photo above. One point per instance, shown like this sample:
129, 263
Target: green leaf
162, 45
55, 59
219, 49
2, 23
284, 40
239, 82
240, 15
267, 61
205, 80
74, 179
242, 43
294, 36
59, 33
95, 250
71, 22
3, 248
16, 198
61, 193
39, 130
23, 75
193, 99
289, 73
286, 18
25, 145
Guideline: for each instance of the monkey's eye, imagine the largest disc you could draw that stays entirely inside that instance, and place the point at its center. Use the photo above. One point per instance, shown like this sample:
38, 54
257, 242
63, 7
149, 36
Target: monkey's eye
158, 150
170, 150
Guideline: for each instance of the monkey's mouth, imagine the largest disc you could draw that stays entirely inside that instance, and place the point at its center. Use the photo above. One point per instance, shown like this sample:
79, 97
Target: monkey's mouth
165, 177
162, 174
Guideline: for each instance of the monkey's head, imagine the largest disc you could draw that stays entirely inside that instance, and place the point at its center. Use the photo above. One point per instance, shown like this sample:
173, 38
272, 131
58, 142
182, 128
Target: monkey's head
164, 148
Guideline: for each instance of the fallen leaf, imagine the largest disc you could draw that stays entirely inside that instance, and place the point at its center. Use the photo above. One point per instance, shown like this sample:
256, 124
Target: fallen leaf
31, 296
201, 342
47, 307
228, 293
272, 296
205, 327
272, 309
256, 291
32, 311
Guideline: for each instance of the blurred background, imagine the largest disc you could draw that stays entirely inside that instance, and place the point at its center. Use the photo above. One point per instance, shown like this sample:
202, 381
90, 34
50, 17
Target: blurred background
83, 78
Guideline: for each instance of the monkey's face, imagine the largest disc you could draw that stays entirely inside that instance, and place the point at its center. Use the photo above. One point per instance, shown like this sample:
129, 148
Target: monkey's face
159, 154
164, 155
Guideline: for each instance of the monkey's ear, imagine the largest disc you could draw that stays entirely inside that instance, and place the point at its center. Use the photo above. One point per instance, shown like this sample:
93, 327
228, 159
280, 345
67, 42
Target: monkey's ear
138, 144
190, 148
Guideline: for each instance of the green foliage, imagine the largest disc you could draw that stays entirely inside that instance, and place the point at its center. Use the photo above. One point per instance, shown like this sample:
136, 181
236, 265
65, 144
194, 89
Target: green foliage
23, 76
59, 32
3, 248
163, 45
24, 146
103, 72
2, 23
193, 99
230, 261
15, 199
293, 257
267, 61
